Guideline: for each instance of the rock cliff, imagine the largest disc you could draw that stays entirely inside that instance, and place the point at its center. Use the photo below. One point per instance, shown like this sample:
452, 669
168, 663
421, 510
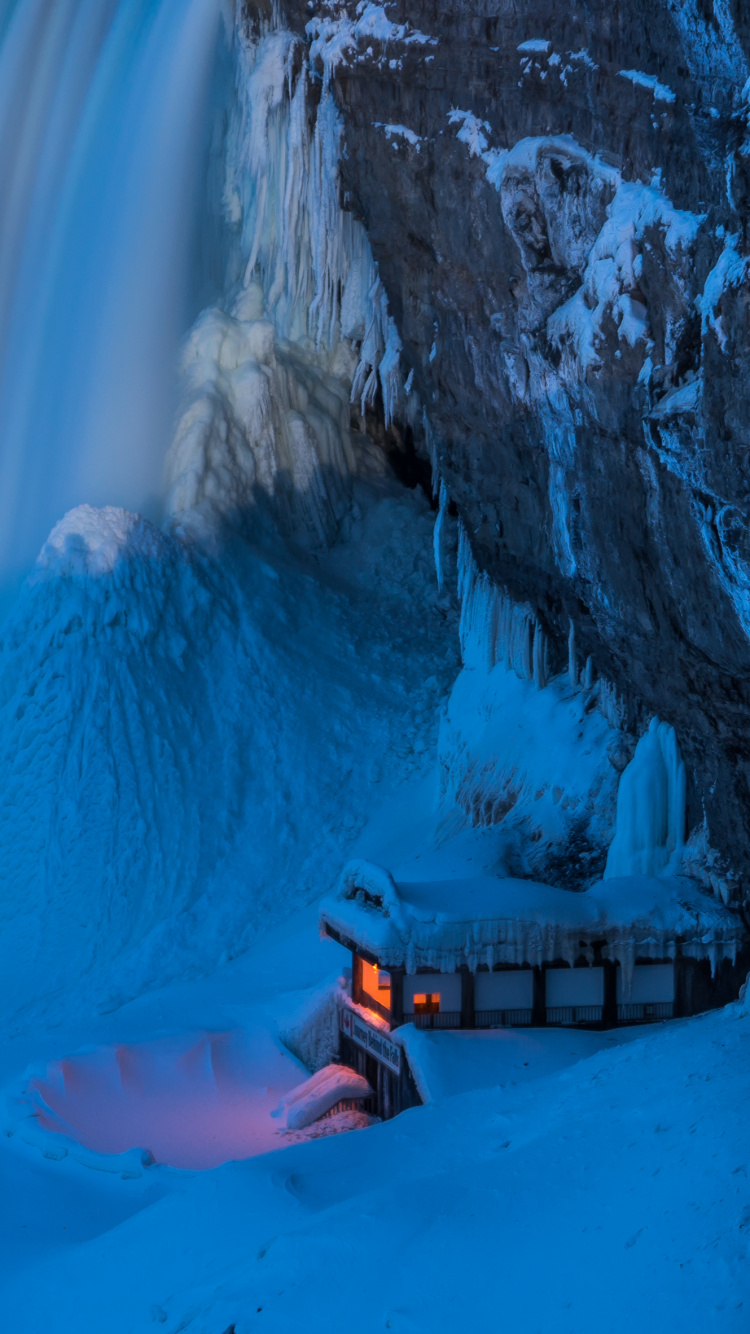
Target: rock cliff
557, 201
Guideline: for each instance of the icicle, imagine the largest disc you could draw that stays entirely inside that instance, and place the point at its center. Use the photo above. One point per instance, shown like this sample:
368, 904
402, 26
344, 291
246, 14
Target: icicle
650, 827
431, 450
541, 669
437, 534
610, 706
390, 372
572, 664
588, 674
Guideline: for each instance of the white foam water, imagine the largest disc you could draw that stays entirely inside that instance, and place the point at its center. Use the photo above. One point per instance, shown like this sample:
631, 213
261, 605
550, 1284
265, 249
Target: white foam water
103, 107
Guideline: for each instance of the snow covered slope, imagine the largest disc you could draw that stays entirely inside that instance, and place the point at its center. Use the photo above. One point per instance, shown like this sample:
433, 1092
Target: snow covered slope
619, 1184
190, 744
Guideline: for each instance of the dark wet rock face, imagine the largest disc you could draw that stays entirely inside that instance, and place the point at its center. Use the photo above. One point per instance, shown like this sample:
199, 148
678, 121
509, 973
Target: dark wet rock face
558, 200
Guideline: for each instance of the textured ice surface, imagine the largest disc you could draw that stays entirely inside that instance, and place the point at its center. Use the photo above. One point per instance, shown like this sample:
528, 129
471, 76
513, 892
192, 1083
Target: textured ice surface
191, 745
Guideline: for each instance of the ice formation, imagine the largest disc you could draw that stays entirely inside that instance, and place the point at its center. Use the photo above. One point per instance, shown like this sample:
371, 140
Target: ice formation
493, 628
335, 36
483, 919
269, 379
650, 829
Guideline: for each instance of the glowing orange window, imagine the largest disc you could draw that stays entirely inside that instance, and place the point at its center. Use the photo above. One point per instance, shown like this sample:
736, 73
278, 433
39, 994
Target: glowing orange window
376, 984
427, 1002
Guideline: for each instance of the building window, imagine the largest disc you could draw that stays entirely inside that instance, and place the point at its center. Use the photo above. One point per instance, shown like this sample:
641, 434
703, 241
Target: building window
427, 1002
375, 988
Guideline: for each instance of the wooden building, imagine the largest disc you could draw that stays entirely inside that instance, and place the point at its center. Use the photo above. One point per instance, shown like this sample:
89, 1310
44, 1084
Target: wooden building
485, 952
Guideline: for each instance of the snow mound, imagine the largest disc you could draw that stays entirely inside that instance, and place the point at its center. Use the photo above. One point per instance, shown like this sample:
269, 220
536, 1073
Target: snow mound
89, 541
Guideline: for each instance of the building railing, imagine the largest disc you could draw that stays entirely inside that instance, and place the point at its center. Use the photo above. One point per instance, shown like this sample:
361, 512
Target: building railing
644, 1013
502, 1018
647, 1012
443, 1019
574, 1014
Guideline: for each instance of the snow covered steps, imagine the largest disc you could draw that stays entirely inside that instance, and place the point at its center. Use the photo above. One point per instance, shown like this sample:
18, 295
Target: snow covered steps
321, 1095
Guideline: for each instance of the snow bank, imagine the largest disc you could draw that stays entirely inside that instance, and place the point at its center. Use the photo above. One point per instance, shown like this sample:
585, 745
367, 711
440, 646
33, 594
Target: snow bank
446, 1063
320, 1094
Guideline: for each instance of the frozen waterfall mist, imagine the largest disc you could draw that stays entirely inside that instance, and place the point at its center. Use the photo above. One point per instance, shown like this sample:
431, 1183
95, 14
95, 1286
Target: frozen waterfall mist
105, 121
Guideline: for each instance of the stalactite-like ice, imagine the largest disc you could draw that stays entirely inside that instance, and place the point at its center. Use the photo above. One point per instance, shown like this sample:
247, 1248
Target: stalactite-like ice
650, 828
492, 627
268, 380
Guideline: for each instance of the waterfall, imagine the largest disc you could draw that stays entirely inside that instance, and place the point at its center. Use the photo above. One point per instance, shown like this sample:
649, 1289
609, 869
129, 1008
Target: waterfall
103, 131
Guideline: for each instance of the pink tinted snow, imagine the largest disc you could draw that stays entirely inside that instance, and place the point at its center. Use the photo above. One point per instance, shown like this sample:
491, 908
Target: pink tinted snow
194, 1101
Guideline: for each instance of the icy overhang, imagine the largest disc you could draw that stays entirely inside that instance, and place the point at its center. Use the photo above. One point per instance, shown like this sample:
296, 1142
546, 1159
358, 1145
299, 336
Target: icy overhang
442, 924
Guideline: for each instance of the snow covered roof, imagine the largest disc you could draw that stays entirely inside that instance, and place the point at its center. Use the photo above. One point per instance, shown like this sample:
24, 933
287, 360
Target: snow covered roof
484, 919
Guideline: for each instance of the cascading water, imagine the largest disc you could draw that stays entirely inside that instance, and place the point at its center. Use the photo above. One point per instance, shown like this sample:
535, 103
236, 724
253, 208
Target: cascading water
103, 110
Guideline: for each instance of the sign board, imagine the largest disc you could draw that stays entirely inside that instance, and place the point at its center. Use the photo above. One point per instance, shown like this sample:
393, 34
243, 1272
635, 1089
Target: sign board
372, 1040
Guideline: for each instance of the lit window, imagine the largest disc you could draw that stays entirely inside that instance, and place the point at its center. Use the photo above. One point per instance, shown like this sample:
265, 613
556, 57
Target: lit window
375, 986
427, 1002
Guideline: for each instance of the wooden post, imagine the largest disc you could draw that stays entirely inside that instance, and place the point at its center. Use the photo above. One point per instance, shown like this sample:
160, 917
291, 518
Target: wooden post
609, 1012
539, 1002
467, 997
356, 978
397, 997
683, 986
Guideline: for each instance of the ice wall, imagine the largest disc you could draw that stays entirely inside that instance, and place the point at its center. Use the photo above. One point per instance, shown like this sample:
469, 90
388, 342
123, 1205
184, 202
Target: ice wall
650, 830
